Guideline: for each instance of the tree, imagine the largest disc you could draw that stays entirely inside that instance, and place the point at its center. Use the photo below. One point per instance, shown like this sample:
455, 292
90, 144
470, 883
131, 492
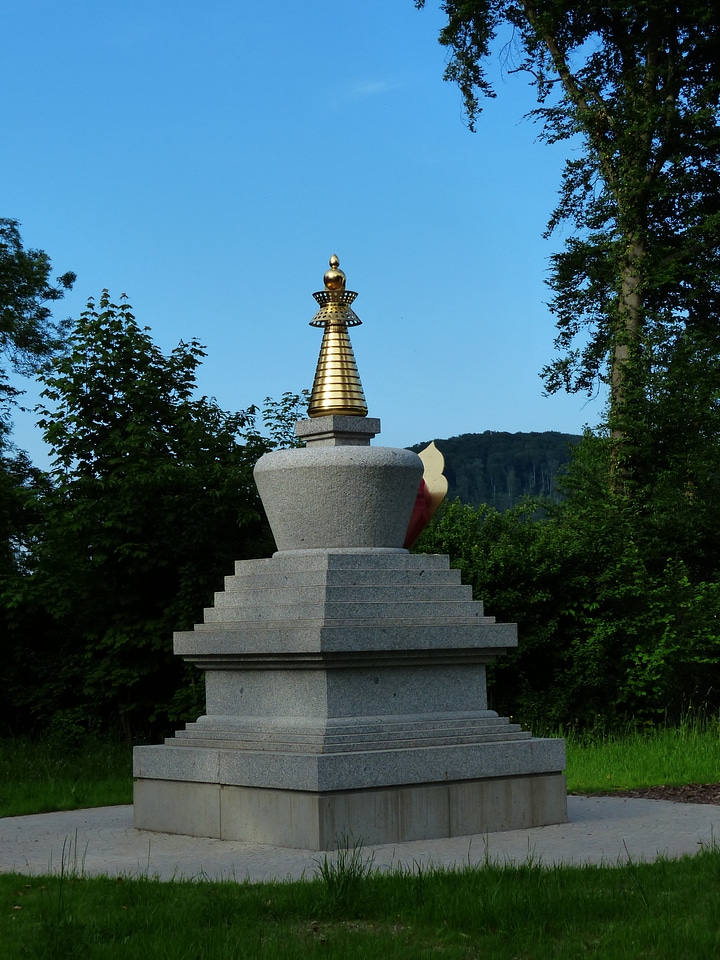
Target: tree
481, 467
28, 335
613, 624
280, 416
634, 599
638, 85
152, 502
27, 332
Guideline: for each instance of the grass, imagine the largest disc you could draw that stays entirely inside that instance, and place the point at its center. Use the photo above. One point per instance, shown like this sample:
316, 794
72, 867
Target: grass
671, 756
667, 909
660, 910
37, 776
40, 776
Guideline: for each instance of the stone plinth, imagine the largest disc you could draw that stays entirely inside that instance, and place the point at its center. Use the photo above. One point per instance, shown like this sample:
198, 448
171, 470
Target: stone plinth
346, 698
338, 431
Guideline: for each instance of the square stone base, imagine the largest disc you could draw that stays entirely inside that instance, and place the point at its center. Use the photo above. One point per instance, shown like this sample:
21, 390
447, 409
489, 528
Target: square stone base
322, 821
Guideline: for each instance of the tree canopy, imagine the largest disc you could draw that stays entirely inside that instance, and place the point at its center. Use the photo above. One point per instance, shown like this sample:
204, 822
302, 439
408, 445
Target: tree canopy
617, 588
617, 609
638, 86
500, 469
28, 335
27, 331
151, 501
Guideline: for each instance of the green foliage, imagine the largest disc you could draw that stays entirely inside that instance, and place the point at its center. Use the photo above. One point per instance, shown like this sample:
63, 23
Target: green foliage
28, 334
27, 331
342, 874
279, 418
617, 607
22, 487
617, 588
152, 501
500, 469
523, 570
636, 87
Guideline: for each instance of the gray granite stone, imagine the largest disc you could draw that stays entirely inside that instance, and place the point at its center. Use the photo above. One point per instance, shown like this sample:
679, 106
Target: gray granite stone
347, 496
347, 735
355, 692
255, 611
336, 558
484, 641
183, 760
243, 599
335, 431
347, 687
275, 578
172, 762
180, 806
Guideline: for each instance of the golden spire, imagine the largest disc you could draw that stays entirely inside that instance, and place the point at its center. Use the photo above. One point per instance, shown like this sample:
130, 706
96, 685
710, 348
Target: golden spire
336, 388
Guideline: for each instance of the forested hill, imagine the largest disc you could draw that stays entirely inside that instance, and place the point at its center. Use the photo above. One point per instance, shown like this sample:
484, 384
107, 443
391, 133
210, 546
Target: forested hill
500, 468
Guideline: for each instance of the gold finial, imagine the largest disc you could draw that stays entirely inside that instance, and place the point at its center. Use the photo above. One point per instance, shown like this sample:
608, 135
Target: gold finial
334, 278
337, 388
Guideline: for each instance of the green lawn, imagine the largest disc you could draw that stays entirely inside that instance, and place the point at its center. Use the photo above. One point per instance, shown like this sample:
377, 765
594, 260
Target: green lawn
687, 753
668, 909
662, 910
36, 777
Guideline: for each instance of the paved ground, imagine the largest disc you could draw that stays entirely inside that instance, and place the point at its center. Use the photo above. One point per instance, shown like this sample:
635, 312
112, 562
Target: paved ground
102, 841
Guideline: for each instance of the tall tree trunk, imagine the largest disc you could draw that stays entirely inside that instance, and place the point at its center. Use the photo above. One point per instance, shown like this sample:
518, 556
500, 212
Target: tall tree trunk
627, 338
625, 400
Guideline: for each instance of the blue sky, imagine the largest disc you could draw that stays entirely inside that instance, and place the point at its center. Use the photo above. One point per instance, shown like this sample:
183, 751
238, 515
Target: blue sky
207, 158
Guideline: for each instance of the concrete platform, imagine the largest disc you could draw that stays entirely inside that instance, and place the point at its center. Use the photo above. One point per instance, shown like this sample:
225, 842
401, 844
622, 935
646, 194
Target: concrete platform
102, 841
324, 821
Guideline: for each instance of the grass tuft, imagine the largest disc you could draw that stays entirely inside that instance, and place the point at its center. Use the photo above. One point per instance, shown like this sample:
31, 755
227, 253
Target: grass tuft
342, 874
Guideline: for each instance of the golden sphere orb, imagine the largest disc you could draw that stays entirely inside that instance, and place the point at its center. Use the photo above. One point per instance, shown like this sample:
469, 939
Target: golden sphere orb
334, 277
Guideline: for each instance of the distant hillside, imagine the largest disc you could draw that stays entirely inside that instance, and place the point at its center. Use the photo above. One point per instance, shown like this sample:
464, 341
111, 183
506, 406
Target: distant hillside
500, 468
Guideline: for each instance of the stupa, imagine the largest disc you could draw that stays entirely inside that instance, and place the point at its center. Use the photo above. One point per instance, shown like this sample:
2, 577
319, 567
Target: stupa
345, 676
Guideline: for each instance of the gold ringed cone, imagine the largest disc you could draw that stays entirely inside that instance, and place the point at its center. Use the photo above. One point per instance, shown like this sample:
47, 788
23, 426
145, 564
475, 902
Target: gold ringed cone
336, 388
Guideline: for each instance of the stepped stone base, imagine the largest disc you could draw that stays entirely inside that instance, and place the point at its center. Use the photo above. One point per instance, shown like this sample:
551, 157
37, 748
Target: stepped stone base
346, 698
